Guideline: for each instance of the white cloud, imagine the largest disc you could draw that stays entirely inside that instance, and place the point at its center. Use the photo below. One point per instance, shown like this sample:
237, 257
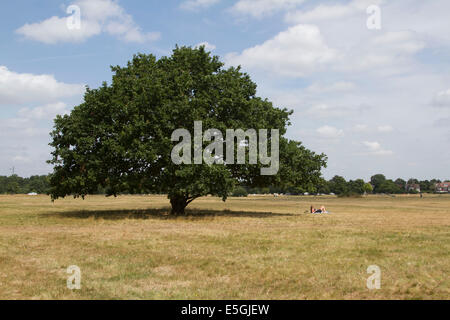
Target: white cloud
385, 129
208, 46
295, 52
386, 52
25, 138
27, 123
374, 148
399, 41
428, 18
260, 8
21, 159
321, 12
443, 122
19, 88
390, 53
24, 145
48, 111
324, 110
19, 128
364, 128
97, 16
442, 99
361, 128
197, 4
330, 132
391, 49
26, 135
54, 30
330, 12
334, 87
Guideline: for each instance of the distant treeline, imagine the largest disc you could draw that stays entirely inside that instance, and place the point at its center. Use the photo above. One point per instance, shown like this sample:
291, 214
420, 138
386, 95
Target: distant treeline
338, 185
17, 185
34, 184
377, 184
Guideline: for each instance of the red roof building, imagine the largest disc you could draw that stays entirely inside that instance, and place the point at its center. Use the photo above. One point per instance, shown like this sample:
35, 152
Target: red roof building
443, 187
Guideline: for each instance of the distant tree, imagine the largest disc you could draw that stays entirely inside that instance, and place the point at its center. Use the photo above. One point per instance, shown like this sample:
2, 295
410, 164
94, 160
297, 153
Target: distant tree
377, 180
15, 184
276, 189
368, 188
413, 181
390, 187
338, 185
290, 190
323, 186
400, 183
425, 186
433, 183
255, 190
240, 192
3, 183
356, 187
265, 190
38, 184
13, 187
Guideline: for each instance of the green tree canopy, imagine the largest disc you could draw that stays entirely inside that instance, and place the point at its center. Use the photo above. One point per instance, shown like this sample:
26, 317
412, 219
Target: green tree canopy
356, 187
119, 138
389, 186
377, 180
338, 185
413, 181
323, 187
400, 183
368, 188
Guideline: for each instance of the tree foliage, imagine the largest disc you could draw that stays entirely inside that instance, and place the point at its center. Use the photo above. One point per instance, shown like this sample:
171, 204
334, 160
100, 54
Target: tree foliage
240, 192
368, 188
376, 181
389, 187
18, 185
119, 138
338, 185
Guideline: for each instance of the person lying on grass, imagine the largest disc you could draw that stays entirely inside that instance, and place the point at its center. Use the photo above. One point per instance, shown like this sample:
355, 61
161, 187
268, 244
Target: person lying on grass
321, 210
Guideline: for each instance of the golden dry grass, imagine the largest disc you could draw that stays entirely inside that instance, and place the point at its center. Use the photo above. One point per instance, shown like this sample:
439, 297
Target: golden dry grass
248, 248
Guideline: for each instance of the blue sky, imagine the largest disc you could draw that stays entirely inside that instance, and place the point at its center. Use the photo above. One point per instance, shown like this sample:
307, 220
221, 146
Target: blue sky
373, 100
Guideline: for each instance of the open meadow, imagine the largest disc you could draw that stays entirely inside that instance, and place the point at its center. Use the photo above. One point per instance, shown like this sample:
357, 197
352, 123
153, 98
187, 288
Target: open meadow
258, 247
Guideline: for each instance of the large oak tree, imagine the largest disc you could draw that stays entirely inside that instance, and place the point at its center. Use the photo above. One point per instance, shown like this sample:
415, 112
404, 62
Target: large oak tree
119, 138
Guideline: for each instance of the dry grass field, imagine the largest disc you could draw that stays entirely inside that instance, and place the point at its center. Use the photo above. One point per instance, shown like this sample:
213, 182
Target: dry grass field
247, 248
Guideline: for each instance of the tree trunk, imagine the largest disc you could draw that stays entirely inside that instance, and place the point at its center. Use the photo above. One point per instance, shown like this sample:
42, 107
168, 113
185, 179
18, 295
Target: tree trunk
178, 205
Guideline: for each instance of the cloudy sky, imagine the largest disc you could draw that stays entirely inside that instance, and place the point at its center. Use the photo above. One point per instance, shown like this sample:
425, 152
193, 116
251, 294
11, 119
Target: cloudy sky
375, 100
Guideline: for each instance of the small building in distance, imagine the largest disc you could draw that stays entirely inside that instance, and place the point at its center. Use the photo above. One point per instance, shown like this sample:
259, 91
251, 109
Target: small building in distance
443, 187
413, 187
